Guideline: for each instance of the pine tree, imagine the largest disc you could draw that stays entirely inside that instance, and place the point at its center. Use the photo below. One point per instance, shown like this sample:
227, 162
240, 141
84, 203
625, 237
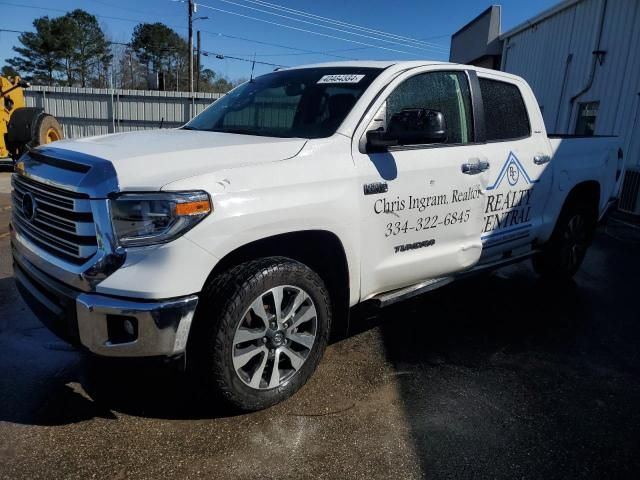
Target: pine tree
72, 48
87, 47
40, 53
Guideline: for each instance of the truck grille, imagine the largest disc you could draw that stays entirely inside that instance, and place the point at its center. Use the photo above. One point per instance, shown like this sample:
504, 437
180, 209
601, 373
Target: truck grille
56, 220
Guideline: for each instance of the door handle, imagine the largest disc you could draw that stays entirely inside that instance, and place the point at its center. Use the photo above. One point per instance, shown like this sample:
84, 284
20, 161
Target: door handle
473, 168
541, 159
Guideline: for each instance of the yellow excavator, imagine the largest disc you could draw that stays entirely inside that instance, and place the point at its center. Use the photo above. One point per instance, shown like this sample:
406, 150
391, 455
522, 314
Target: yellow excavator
22, 127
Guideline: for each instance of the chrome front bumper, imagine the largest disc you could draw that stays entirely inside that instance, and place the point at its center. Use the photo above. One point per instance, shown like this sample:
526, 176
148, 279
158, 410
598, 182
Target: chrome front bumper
162, 327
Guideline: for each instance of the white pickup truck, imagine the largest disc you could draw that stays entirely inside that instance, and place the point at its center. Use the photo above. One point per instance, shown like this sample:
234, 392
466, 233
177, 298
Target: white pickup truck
241, 240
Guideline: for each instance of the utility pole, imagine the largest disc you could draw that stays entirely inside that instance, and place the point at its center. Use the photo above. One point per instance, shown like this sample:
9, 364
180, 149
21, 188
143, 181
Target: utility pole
253, 66
131, 70
191, 10
198, 64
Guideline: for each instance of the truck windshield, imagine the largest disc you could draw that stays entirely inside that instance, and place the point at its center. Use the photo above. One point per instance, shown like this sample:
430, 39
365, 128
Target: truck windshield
303, 103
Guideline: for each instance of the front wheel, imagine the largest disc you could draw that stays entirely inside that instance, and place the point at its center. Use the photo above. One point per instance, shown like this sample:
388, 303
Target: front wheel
563, 255
260, 332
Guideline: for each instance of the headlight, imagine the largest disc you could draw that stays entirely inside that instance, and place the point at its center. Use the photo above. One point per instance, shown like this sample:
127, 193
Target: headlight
150, 218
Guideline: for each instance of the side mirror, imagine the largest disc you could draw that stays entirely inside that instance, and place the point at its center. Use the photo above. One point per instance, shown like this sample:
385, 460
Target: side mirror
414, 126
379, 141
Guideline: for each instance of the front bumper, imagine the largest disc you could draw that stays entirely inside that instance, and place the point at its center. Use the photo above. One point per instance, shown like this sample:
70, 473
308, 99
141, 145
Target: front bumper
94, 321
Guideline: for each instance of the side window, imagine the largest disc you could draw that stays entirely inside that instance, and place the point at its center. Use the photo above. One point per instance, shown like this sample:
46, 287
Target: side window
587, 114
446, 92
505, 113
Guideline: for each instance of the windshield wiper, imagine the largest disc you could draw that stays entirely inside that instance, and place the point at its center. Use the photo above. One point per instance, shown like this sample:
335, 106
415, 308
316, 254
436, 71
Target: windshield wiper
238, 131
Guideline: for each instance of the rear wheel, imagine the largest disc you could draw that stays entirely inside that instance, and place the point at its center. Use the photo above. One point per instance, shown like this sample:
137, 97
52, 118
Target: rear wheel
563, 255
260, 332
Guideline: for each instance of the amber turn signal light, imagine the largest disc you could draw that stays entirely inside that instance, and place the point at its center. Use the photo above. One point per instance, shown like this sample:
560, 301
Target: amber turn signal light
193, 208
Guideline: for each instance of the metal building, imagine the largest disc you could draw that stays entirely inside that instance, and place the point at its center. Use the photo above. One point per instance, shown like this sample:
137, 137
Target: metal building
97, 111
582, 59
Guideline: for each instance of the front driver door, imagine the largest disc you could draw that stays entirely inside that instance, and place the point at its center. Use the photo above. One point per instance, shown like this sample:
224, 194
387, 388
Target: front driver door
422, 205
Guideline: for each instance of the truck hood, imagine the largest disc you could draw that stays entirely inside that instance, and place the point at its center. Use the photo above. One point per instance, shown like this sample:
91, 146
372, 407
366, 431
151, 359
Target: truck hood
147, 160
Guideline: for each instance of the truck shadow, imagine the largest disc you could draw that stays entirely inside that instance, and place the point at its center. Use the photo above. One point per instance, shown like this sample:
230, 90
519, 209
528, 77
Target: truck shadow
46, 382
469, 322
479, 349
506, 374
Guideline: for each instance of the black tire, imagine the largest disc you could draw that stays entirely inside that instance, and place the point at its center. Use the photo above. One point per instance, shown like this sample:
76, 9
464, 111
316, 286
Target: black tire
563, 254
223, 305
30, 127
47, 129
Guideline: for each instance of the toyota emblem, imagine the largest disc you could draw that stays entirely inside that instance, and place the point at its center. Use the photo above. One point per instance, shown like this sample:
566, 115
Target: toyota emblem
29, 206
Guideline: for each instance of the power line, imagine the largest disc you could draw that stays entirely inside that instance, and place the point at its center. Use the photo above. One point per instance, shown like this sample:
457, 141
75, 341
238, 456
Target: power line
433, 37
108, 17
301, 51
128, 9
272, 54
341, 23
330, 53
342, 30
307, 31
222, 56
32, 7
181, 27
392, 42
218, 55
219, 34
235, 37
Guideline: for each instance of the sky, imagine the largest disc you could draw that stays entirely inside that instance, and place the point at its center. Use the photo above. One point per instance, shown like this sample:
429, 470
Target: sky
228, 31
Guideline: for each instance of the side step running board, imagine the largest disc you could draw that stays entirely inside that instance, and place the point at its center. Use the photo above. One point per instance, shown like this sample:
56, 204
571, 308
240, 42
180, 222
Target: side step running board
503, 262
388, 298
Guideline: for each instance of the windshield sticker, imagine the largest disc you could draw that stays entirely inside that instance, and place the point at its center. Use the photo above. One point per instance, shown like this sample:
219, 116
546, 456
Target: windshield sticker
347, 78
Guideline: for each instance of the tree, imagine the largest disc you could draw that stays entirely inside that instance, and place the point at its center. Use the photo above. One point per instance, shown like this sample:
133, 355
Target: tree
72, 46
86, 48
8, 72
239, 81
159, 48
41, 51
127, 70
210, 81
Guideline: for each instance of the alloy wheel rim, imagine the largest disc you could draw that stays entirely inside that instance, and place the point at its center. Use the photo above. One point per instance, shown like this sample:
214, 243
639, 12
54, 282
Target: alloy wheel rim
274, 337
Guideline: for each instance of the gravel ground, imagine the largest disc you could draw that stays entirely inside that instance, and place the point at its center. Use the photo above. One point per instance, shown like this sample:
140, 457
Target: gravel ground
501, 376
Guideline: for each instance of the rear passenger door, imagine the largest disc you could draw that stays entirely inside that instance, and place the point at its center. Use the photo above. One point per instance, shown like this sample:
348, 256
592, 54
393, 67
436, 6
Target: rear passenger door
520, 175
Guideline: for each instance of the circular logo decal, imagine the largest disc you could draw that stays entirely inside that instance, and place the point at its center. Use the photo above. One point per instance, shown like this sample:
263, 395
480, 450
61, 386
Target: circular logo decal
513, 174
29, 206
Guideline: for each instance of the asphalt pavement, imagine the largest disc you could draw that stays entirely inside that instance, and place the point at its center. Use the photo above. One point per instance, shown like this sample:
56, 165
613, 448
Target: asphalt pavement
499, 376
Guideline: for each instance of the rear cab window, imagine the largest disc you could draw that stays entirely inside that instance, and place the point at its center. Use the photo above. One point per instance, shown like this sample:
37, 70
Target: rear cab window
505, 112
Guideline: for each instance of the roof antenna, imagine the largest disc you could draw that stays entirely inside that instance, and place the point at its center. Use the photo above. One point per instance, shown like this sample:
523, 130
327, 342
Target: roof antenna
253, 66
